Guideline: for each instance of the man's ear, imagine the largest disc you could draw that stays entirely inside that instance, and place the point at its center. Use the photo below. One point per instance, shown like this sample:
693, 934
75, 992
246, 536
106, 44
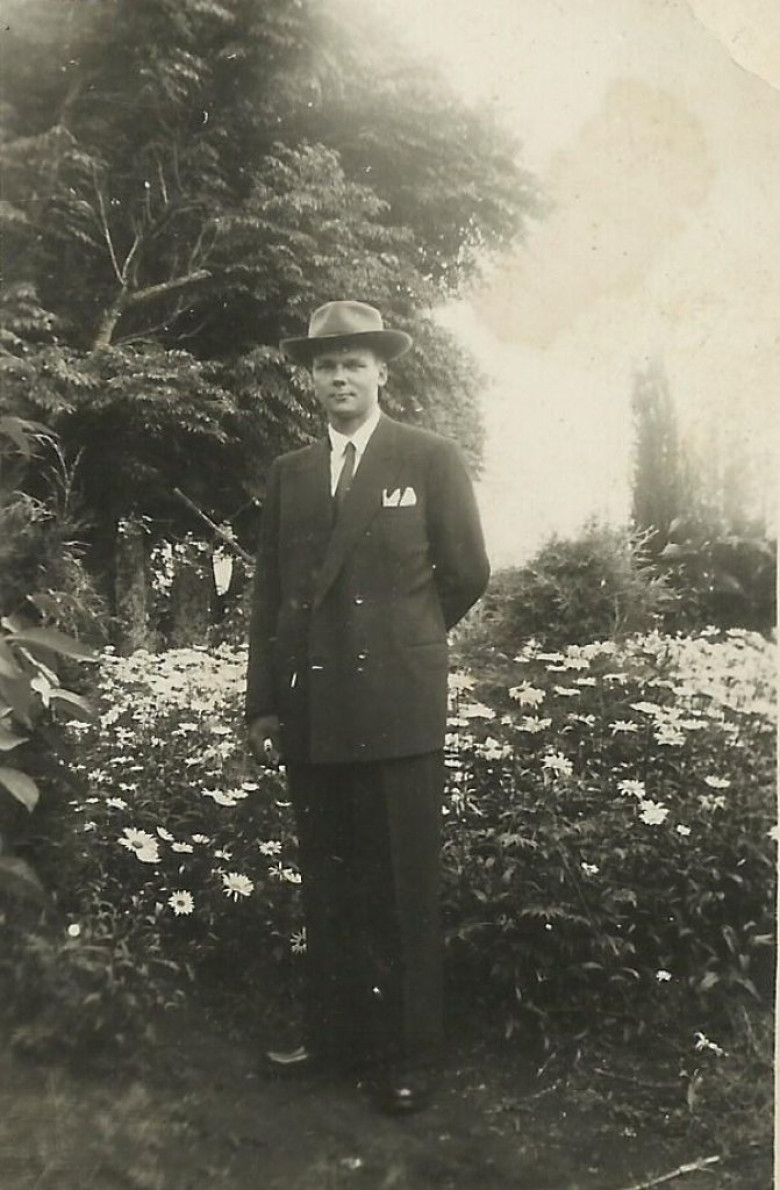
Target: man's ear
382, 371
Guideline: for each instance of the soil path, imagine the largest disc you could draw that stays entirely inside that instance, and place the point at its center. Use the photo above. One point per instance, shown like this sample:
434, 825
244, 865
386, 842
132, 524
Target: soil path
203, 1117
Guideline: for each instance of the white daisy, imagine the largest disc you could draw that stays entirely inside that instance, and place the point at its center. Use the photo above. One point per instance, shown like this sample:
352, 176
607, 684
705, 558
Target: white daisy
181, 902
135, 840
237, 885
556, 762
634, 788
527, 695
653, 813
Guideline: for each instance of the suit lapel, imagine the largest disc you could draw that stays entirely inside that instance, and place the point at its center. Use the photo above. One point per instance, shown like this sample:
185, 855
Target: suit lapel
312, 487
378, 468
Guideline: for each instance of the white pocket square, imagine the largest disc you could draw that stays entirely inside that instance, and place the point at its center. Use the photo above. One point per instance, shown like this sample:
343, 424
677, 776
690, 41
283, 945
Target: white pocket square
399, 498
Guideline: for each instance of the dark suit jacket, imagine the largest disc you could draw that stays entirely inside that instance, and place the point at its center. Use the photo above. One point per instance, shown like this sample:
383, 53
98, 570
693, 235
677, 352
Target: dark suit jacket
348, 631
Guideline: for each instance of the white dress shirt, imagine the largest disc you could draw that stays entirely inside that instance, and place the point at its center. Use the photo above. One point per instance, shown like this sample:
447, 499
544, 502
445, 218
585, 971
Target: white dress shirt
339, 441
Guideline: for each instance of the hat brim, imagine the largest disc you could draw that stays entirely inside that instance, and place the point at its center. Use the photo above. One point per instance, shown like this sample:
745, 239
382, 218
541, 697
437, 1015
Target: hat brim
389, 344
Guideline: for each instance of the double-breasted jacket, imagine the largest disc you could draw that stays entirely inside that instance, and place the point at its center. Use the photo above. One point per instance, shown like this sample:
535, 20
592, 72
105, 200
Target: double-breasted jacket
348, 635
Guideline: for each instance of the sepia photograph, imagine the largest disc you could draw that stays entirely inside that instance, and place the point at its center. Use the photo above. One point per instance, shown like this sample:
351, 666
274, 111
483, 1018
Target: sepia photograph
389, 440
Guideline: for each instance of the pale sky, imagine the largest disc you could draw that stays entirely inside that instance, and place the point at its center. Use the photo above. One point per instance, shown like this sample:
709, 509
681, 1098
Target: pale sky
654, 127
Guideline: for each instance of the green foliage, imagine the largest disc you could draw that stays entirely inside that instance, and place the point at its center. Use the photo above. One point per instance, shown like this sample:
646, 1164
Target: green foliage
694, 512
66, 994
607, 858
170, 864
728, 579
32, 694
599, 584
183, 184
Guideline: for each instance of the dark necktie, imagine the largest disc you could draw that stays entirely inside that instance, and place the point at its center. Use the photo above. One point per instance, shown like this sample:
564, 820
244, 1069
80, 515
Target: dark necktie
345, 477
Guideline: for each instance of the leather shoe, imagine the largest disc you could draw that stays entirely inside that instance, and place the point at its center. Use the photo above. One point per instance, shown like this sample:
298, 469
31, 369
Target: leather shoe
403, 1092
302, 1061
295, 1061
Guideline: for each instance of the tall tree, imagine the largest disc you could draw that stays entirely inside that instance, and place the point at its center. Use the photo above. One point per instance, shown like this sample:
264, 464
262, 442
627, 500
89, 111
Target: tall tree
705, 530
661, 489
183, 181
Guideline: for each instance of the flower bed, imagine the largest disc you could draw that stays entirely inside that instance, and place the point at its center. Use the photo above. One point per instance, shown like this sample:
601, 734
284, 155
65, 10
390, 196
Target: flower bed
607, 853
609, 837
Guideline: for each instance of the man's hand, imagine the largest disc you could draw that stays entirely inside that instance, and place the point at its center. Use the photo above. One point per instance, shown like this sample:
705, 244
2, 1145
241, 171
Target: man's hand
264, 737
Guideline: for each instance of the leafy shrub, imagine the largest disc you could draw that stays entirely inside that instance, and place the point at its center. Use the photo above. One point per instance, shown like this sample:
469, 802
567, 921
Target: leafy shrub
728, 579
607, 853
597, 585
42, 572
606, 858
72, 988
32, 694
176, 860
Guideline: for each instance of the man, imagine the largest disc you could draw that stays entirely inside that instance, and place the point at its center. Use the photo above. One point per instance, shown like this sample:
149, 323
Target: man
370, 550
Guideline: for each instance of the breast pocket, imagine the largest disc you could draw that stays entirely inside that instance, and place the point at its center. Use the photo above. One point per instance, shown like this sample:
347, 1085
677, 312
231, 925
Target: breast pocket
403, 534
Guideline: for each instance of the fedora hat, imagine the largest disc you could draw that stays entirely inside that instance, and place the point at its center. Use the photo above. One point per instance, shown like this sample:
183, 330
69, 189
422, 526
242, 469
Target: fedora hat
343, 323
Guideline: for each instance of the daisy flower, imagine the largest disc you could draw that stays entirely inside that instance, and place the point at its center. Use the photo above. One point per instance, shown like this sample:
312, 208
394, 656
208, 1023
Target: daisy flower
646, 708
653, 813
533, 726
477, 710
623, 725
145, 846
634, 788
527, 695
557, 763
181, 902
237, 885
222, 799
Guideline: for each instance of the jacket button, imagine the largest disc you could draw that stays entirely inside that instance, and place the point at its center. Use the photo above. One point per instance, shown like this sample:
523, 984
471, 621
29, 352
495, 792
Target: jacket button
362, 656
358, 600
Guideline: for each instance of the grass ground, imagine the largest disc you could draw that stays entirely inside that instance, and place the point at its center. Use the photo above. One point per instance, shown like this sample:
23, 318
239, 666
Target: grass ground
194, 1112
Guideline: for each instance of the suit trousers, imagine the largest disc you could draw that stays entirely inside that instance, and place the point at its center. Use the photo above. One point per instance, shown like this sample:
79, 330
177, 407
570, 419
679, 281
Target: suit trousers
369, 838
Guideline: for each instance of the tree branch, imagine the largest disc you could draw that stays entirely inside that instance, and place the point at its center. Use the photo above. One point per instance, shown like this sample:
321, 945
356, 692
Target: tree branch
129, 258
229, 541
165, 287
106, 229
691, 1167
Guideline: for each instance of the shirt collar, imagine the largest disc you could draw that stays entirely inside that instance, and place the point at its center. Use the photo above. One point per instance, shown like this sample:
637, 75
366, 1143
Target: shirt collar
360, 438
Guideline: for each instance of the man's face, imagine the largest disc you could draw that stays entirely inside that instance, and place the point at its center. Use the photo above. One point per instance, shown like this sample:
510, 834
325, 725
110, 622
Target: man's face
347, 381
